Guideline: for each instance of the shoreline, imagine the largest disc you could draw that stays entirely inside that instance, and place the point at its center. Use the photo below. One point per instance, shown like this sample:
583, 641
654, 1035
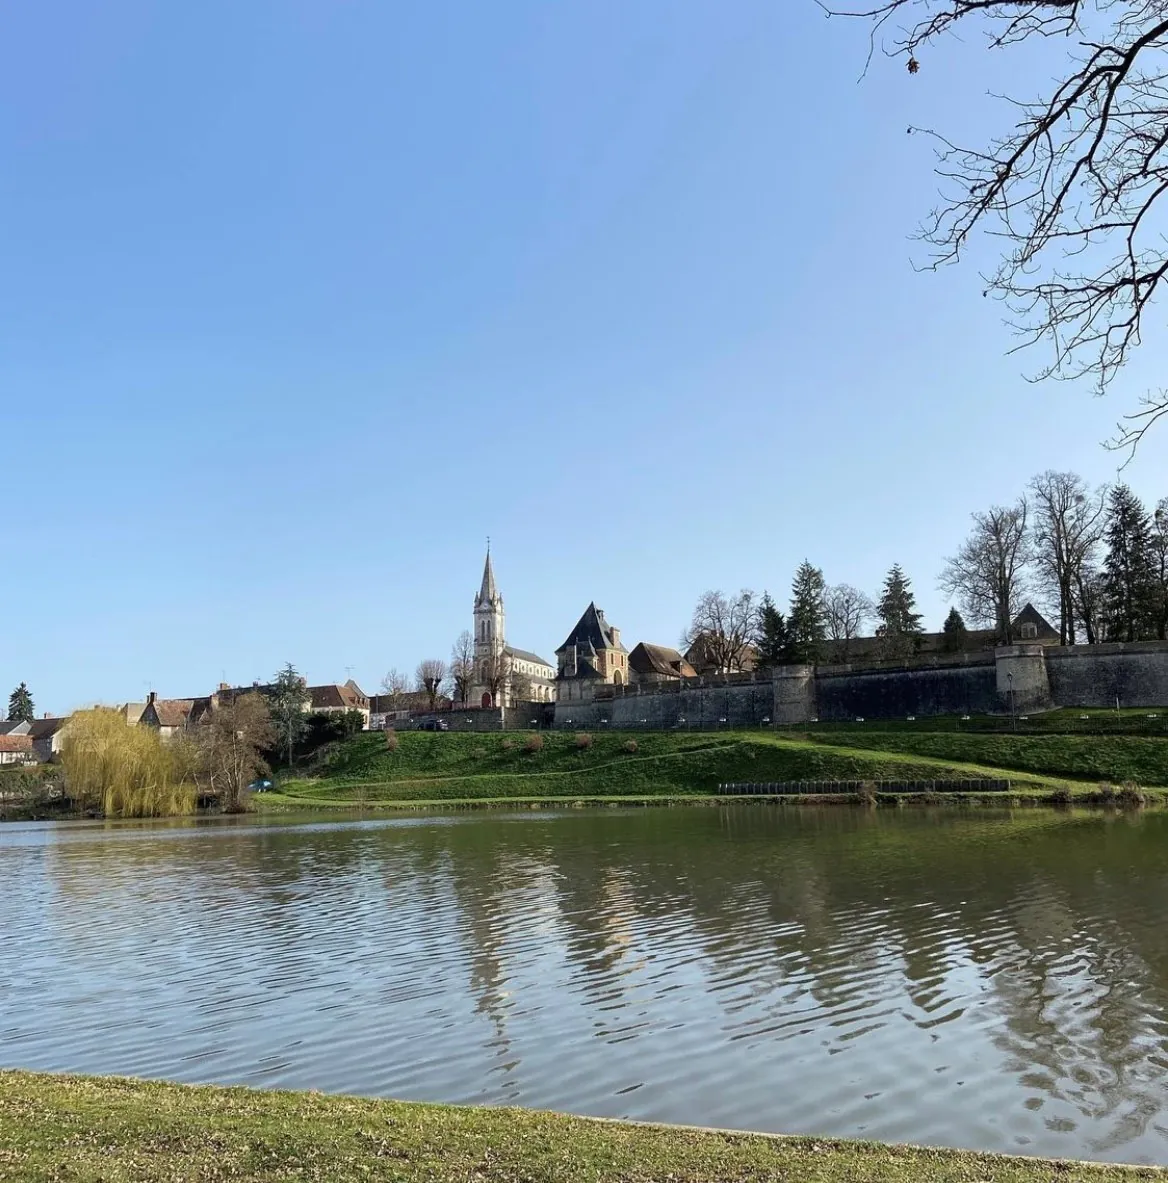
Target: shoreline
90, 1128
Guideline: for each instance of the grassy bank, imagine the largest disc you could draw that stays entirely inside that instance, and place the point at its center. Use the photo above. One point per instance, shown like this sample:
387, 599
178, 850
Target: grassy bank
87, 1129
448, 768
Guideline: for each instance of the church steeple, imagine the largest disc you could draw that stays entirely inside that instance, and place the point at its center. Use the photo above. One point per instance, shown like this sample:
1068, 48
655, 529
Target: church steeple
489, 592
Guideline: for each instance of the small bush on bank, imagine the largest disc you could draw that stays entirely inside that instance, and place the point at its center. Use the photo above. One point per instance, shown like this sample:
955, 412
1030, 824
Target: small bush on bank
931, 798
1131, 796
508, 744
1061, 797
866, 794
1106, 794
534, 743
391, 740
583, 740
631, 746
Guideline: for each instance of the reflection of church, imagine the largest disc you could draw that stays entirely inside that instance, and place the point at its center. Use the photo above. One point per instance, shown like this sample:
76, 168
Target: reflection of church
526, 676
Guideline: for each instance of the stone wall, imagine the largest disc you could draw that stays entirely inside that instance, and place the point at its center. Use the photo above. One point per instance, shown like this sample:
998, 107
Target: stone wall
1095, 675
964, 688
737, 703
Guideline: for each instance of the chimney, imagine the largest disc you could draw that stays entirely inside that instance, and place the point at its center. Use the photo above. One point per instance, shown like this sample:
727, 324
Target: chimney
150, 698
223, 687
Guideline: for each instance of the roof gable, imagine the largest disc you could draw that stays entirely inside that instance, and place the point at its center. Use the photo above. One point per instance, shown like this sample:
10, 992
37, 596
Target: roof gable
592, 631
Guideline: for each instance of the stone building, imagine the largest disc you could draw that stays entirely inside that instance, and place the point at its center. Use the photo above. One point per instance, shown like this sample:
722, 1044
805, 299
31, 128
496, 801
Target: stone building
653, 664
494, 658
591, 656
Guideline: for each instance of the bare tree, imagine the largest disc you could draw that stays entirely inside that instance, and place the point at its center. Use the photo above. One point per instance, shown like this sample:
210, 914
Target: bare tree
522, 689
462, 670
431, 675
846, 609
723, 627
988, 570
229, 746
1074, 186
393, 686
1068, 523
495, 675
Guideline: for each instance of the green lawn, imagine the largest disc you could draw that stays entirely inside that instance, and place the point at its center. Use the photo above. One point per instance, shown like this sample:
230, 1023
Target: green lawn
88, 1130
1114, 759
455, 767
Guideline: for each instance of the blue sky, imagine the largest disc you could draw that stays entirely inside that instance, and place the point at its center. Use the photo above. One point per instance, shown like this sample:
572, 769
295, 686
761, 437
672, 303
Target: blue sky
301, 301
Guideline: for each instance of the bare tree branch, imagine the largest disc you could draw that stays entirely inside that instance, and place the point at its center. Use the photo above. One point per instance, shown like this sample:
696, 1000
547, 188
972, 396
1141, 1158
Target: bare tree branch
1073, 188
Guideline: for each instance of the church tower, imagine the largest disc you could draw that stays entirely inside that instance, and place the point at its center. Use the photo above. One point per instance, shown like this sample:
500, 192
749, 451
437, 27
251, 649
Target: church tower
489, 635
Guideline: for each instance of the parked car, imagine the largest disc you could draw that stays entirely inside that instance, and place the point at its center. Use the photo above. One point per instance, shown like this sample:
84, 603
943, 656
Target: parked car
435, 725
262, 785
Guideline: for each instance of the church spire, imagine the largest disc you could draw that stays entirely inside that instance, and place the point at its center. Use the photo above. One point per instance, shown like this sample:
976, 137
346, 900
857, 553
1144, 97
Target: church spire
488, 593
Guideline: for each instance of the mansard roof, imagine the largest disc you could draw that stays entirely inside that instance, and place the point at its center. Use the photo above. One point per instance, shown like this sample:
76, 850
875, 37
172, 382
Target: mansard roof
592, 631
489, 591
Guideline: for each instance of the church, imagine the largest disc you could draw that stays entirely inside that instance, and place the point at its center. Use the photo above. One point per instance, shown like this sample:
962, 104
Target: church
504, 675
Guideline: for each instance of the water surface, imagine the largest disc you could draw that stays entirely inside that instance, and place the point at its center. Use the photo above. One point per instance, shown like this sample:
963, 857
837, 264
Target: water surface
965, 979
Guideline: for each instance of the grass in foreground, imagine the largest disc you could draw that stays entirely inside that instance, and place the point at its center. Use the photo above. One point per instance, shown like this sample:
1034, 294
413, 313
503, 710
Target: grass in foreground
88, 1129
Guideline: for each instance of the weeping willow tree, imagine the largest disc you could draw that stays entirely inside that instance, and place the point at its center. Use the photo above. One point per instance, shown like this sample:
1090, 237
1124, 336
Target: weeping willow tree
126, 771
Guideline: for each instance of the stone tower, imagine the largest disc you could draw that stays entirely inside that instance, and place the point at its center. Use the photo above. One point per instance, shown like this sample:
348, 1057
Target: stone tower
489, 633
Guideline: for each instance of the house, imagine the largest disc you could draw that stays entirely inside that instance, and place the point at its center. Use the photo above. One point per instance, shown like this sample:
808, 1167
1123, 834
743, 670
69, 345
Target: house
653, 664
337, 700
15, 727
591, 656
47, 736
169, 716
1029, 627
17, 749
704, 660
132, 712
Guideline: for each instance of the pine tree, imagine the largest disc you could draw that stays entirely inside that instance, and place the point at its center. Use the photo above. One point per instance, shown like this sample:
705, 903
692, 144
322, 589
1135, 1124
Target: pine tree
1128, 576
955, 634
806, 623
900, 623
288, 701
771, 642
20, 707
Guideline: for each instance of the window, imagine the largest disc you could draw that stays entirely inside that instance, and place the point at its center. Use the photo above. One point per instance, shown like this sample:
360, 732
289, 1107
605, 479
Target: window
1028, 631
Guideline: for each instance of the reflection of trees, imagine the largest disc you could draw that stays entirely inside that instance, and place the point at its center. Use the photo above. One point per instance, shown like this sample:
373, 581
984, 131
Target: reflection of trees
782, 918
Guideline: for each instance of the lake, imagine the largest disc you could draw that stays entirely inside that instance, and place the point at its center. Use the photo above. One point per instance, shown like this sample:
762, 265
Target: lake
969, 979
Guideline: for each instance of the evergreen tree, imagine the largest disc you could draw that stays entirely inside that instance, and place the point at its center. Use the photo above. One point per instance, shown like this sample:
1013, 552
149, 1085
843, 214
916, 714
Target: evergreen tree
288, 702
900, 622
1160, 571
771, 642
1128, 574
806, 620
954, 632
20, 707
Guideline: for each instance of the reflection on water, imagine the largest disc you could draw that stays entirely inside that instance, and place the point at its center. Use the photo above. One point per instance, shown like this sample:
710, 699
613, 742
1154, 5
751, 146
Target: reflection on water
972, 980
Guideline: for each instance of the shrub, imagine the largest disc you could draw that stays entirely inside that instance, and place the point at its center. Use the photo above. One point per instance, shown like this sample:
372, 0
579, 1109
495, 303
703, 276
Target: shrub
931, 798
391, 740
508, 744
583, 740
1106, 793
479, 754
1061, 796
631, 746
866, 793
534, 743
1131, 796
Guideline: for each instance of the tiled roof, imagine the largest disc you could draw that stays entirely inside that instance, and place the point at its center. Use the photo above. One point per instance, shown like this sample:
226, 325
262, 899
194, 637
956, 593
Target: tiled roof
659, 659
43, 728
335, 698
173, 712
15, 743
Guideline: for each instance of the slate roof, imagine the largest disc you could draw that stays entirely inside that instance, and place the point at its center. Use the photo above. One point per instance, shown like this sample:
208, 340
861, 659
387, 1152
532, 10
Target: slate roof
17, 727
593, 631
1031, 615
648, 659
526, 655
488, 592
